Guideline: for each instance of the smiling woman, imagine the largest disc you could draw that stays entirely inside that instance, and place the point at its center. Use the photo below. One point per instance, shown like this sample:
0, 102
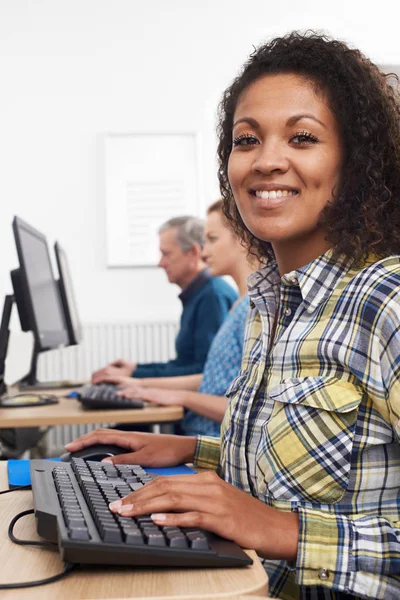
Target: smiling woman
285, 165
308, 461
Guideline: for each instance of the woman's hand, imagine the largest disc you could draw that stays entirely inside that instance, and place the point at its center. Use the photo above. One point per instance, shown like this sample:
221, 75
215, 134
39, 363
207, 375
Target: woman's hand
208, 502
147, 449
112, 376
155, 395
118, 369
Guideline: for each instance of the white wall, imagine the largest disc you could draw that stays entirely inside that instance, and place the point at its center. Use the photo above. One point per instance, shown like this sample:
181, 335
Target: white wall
73, 70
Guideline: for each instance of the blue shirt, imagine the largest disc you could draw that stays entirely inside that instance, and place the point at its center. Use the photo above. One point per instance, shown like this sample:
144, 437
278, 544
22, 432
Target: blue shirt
206, 302
222, 366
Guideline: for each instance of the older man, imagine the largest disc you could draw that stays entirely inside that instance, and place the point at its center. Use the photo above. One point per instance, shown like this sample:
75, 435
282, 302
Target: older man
206, 301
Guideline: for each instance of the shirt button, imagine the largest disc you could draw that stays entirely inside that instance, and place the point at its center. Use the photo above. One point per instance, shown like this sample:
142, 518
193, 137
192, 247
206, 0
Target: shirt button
287, 312
323, 574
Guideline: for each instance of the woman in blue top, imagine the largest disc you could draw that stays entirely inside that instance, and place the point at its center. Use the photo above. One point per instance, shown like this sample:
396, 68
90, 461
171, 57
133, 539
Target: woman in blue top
203, 396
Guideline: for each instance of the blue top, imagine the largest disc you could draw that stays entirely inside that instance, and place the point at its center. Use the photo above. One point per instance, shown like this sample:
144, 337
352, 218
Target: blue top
222, 367
206, 303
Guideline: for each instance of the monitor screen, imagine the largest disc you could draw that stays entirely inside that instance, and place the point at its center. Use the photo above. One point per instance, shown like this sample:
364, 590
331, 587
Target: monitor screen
39, 287
67, 296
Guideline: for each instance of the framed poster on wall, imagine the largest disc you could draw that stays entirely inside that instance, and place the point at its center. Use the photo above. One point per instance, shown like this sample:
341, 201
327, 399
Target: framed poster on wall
150, 178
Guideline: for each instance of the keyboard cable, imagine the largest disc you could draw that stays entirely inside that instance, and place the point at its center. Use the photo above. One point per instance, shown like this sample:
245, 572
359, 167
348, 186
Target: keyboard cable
68, 567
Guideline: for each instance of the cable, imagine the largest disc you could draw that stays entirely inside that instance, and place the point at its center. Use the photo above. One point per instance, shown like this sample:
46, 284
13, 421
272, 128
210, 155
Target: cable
68, 567
25, 542
14, 489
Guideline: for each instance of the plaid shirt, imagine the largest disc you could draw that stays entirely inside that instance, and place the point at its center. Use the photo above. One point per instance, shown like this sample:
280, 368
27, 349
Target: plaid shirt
313, 424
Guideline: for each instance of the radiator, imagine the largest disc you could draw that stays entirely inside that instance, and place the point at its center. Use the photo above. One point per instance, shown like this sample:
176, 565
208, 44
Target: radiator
102, 343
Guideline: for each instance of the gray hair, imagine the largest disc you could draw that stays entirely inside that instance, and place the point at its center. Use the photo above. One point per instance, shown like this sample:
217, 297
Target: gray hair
189, 231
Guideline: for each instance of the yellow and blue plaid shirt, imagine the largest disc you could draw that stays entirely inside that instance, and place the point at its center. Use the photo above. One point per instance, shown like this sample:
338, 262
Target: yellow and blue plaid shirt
313, 424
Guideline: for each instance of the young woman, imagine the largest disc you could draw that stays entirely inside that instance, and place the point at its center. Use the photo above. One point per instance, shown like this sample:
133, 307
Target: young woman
309, 454
224, 254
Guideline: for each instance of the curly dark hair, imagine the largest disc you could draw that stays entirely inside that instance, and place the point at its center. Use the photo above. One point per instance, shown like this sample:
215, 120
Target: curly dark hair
364, 216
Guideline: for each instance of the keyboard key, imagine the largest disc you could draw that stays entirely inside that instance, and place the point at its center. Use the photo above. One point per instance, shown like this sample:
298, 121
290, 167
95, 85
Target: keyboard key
177, 540
198, 540
133, 537
79, 533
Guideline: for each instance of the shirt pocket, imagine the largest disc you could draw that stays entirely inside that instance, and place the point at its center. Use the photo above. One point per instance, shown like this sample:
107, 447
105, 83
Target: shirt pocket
236, 384
306, 444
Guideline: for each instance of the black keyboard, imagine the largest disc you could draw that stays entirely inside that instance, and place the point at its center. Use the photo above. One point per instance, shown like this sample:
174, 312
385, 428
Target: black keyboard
104, 395
71, 508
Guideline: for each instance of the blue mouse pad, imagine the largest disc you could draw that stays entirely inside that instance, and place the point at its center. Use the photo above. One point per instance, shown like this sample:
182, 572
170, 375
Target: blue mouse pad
19, 473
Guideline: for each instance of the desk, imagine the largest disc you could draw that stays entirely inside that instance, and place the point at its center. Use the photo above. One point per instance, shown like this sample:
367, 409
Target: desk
20, 563
70, 412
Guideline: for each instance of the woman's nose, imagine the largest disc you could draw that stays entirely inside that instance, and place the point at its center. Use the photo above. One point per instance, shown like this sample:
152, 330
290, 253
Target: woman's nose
270, 157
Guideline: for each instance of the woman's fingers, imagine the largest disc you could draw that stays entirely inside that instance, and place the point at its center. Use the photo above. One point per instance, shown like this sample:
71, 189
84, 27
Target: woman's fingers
102, 436
128, 391
180, 500
177, 492
187, 519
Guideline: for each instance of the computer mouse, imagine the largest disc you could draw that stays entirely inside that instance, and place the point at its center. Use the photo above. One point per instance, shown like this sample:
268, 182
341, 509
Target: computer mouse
95, 452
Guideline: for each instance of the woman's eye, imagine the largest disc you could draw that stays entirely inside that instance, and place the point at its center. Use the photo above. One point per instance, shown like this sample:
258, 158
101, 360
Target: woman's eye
245, 140
303, 138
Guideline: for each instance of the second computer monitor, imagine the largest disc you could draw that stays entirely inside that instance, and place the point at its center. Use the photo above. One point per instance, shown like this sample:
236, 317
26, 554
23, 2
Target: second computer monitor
39, 296
67, 296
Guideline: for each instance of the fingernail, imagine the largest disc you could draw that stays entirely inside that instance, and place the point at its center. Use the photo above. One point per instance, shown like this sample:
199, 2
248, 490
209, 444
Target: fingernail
67, 446
108, 460
125, 508
115, 505
158, 517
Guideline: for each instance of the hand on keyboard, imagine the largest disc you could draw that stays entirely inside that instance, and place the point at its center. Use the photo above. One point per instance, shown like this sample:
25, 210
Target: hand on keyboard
160, 396
72, 508
104, 395
208, 502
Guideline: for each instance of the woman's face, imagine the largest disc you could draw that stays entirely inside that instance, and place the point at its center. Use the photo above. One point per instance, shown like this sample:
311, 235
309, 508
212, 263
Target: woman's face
285, 163
221, 247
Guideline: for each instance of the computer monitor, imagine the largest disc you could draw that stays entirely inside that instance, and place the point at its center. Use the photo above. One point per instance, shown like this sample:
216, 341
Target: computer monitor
37, 298
67, 296
41, 299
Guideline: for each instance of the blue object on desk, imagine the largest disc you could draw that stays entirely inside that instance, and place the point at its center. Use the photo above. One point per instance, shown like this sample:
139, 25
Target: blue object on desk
73, 395
178, 470
19, 473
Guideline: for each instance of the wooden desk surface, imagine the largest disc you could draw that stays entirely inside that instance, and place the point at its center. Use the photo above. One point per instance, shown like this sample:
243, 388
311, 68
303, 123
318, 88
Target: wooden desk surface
70, 412
19, 563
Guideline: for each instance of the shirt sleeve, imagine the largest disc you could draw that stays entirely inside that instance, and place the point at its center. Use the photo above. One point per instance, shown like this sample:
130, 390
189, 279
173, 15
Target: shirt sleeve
351, 554
206, 455
360, 553
172, 368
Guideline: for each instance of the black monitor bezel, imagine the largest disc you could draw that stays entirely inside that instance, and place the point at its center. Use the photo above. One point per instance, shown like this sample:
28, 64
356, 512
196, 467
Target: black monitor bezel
43, 340
74, 333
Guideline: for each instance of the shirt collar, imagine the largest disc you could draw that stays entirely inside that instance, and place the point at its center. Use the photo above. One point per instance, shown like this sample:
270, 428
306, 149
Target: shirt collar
194, 286
316, 280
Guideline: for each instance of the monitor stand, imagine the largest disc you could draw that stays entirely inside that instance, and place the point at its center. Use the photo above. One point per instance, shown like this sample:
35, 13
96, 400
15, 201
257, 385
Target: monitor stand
30, 381
4, 338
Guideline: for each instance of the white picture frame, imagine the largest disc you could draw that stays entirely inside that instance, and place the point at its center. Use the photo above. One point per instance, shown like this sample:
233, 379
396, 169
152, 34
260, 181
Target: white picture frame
150, 177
